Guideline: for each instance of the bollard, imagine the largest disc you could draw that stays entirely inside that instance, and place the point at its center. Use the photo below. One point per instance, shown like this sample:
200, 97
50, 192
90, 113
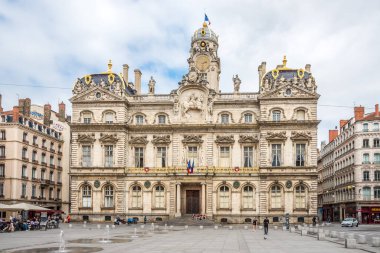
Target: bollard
99, 226
321, 236
342, 235
316, 225
375, 241
361, 239
246, 227
275, 227
283, 228
215, 227
320, 230
230, 227
186, 227
171, 227
113, 226
261, 227
323, 224
70, 225
142, 226
327, 232
350, 243
334, 234
350, 236
292, 230
201, 227
303, 232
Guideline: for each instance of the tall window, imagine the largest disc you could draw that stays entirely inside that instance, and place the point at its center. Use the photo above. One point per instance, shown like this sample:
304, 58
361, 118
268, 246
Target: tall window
59, 177
108, 155
86, 155
139, 157
248, 157
248, 197
136, 197
376, 158
161, 119
376, 192
2, 151
300, 154
108, 117
300, 115
366, 193
43, 158
34, 191
34, 156
365, 127
225, 156
248, 118
51, 160
276, 196
375, 126
108, 196
139, 119
50, 193
276, 154
23, 171
225, 118
23, 190
34, 140
2, 135
34, 171
276, 115
377, 175
193, 154
86, 196
366, 158
376, 143
1, 189
2, 170
161, 157
25, 137
365, 175
300, 197
87, 118
159, 196
42, 174
224, 197
51, 176
365, 143
24, 153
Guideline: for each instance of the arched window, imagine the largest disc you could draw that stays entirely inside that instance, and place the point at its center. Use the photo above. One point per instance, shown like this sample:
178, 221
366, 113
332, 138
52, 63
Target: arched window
139, 120
300, 196
224, 197
248, 118
376, 192
109, 117
366, 193
276, 196
86, 196
300, 115
225, 118
248, 197
87, 116
159, 196
276, 115
161, 119
377, 175
136, 197
108, 196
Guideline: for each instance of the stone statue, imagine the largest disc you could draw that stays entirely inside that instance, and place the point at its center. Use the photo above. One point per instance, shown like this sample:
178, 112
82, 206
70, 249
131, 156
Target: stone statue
78, 87
237, 83
194, 103
294, 80
93, 83
266, 84
176, 106
151, 85
210, 104
102, 83
118, 88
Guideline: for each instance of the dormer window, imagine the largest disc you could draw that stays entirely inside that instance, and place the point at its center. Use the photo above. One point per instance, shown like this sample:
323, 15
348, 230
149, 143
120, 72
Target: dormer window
276, 115
365, 127
300, 115
139, 120
225, 118
109, 117
248, 118
161, 119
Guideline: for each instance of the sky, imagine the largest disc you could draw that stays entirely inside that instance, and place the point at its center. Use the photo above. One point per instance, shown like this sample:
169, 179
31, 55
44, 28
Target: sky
51, 43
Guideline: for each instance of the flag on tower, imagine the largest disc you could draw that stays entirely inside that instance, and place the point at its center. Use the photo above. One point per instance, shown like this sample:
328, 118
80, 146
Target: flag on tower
207, 20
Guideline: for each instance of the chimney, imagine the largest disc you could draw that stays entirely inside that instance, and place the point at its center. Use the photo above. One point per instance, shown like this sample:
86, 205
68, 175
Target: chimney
342, 122
138, 81
21, 105
16, 112
333, 134
376, 108
27, 104
1, 108
308, 67
62, 112
359, 112
125, 73
47, 114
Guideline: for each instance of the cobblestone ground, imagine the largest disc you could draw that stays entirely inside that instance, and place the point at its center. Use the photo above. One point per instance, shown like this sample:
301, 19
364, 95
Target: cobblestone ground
177, 239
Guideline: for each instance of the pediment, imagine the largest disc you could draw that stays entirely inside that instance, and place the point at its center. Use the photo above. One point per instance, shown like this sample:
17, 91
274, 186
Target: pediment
95, 94
138, 140
188, 139
164, 139
86, 138
289, 91
248, 139
276, 136
107, 138
224, 139
301, 136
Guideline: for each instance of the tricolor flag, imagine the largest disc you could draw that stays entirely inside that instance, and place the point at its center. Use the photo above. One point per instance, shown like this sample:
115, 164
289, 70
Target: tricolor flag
189, 170
207, 20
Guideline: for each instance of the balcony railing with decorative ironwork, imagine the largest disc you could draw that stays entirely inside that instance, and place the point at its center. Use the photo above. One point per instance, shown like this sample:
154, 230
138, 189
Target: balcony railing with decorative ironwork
196, 170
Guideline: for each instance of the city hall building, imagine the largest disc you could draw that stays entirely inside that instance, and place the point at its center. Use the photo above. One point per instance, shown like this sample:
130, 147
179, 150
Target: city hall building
197, 150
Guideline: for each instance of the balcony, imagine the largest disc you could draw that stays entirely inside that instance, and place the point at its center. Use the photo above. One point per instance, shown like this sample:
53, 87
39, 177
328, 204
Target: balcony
23, 197
33, 197
52, 166
366, 162
44, 182
25, 159
35, 145
24, 177
2, 156
59, 167
59, 183
50, 198
35, 179
2, 196
44, 148
2, 176
25, 141
35, 161
59, 152
43, 163
51, 182
52, 150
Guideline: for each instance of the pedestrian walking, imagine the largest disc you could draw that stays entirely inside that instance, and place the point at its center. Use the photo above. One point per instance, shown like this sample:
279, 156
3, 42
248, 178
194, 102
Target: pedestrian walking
254, 224
266, 226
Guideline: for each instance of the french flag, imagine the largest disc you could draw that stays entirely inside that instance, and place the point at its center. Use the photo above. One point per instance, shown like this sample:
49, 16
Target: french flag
207, 20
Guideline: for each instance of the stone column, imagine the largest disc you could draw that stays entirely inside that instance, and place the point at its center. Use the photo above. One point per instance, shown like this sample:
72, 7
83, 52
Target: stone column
178, 209
203, 198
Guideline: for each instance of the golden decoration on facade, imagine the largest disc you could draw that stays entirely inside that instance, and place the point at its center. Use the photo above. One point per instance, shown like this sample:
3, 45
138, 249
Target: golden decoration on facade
275, 73
87, 79
111, 78
284, 61
110, 66
300, 73
197, 170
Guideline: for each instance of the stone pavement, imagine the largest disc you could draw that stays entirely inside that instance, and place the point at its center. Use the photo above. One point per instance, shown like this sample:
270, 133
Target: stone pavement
192, 240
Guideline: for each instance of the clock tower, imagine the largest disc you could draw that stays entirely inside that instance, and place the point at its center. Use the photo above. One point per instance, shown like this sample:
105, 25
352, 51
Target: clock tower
204, 58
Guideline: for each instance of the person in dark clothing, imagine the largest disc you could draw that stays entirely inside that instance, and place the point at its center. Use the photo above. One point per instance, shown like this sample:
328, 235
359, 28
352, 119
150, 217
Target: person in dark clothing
266, 225
314, 221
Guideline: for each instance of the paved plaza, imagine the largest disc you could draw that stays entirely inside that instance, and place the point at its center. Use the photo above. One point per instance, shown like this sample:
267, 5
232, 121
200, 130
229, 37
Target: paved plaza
177, 239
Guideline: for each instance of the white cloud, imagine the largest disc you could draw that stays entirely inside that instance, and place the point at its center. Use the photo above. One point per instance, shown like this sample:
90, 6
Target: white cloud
53, 42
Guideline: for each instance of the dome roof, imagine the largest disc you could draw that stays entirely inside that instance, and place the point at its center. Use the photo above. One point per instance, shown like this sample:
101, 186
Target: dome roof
286, 73
204, 33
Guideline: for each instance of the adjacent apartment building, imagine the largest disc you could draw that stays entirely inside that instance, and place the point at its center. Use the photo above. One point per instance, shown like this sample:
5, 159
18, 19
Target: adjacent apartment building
34, 155
349, 169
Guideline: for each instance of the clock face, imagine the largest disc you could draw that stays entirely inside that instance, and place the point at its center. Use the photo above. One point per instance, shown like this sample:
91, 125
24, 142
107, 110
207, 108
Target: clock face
202, 62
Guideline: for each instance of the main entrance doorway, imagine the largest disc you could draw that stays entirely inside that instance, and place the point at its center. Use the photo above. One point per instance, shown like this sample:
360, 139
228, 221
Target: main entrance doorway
192, 201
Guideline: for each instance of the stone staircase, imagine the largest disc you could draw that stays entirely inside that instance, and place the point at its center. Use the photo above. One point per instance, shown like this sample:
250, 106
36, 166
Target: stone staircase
187, 220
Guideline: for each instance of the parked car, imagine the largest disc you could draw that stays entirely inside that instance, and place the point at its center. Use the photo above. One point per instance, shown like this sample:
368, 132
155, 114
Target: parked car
350, 222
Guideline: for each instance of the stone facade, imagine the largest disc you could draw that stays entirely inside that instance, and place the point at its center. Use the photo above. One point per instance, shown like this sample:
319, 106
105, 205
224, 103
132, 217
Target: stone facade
34, 156
231, 156
349, 169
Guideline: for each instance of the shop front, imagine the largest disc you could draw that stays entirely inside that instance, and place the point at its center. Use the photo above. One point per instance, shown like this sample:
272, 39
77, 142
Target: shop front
370, 214
350, 210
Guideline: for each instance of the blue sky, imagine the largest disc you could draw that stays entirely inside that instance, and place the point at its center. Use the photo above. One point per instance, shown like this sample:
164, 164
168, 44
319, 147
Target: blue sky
51, 43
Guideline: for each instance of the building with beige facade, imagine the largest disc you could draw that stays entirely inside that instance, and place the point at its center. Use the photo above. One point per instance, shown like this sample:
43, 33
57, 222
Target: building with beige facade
34, 156
349, 169
253, 154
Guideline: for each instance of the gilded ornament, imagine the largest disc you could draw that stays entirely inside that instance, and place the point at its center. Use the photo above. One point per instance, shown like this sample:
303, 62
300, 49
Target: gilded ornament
300, 73
111, 78
275, 73
87, 79
236, 184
